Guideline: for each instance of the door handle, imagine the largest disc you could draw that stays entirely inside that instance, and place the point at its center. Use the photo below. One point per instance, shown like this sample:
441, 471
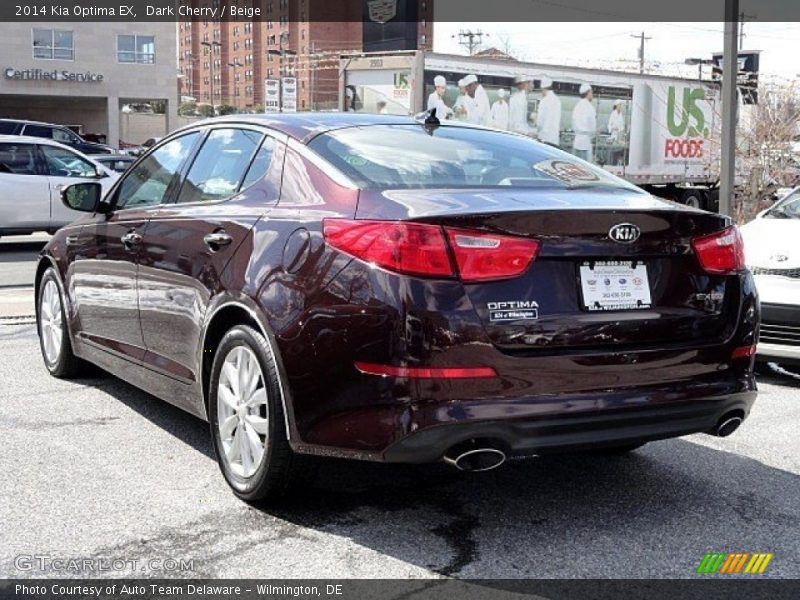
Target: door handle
131, 239
217, 240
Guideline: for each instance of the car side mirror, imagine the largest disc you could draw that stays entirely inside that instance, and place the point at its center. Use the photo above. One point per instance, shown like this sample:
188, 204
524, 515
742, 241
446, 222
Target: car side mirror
83, 197
99, 173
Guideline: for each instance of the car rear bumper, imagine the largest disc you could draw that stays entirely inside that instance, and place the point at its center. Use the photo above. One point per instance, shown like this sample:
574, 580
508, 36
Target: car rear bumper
565, 433
780, 333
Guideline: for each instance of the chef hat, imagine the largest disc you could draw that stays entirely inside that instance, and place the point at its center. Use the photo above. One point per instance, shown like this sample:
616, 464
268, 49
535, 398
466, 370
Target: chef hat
439, 81
461, 83
521, 79
585, 87
501, 93
470, 79
618, 102
547, 83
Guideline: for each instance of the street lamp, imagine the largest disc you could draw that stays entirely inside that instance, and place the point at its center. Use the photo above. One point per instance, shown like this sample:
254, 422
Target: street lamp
211, 46
234, 65
282, 52
188, 78
699, 62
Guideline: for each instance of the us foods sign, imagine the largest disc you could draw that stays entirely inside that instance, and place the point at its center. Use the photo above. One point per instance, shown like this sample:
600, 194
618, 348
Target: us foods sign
56, 75
686, 123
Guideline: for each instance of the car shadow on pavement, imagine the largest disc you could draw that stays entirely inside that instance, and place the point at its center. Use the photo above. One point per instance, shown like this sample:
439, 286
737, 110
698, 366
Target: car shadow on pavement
669, 493
185, 427
779, 374
652, 513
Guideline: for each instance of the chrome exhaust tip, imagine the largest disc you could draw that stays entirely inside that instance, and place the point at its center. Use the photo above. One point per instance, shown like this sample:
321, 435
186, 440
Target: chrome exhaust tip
727, 426
477, 459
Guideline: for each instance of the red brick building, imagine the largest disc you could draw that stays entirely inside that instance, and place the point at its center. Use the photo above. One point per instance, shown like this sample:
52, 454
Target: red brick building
303, 38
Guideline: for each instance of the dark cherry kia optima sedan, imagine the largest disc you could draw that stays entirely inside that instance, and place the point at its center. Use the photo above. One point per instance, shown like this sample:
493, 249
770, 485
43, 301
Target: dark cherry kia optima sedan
399, 290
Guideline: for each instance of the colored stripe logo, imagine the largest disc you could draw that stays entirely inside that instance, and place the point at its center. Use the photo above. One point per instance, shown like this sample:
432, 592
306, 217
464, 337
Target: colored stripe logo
734, 563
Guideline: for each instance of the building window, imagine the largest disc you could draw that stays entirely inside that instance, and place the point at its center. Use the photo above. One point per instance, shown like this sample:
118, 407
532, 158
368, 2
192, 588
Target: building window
136, 49
54, 44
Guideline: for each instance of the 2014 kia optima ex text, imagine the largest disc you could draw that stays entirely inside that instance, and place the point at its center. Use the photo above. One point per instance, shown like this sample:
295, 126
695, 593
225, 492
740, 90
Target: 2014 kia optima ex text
399, 290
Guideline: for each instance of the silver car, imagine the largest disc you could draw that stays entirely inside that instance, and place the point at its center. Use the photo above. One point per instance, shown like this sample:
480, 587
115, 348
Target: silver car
33, 172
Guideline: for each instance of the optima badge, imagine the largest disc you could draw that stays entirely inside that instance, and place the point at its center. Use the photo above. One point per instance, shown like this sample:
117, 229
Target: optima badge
513, 310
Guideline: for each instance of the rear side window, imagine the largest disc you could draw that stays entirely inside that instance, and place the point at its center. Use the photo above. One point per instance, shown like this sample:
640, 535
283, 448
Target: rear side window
220, 166
148, 183
64, 136
261, 163
39, 131
64, 163
18, 159
8, 128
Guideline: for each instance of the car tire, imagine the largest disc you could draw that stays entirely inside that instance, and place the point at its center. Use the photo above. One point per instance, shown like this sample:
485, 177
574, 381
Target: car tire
248, 425
53, 329
617, 450
695, 198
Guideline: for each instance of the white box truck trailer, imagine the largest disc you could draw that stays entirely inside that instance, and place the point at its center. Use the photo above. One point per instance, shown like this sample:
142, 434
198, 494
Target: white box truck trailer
669, 137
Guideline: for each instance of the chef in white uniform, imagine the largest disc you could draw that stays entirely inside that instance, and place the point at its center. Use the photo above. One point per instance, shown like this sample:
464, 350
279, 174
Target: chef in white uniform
500, 111
584, 124
461, 105
436, 99
616, 122
479, 113
518, 107
548, 118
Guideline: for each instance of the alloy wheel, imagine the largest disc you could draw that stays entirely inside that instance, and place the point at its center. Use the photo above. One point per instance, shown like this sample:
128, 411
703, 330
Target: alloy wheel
51, 322
242, 411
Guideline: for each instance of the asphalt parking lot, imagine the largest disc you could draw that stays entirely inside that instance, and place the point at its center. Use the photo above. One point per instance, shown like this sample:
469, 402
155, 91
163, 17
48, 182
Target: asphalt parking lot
95, 469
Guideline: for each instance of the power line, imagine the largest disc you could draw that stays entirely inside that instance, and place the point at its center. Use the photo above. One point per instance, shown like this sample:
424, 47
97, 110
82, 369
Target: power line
469, 39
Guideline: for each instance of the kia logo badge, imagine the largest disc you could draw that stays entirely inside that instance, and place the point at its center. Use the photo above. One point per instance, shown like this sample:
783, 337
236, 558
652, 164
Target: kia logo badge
624, 233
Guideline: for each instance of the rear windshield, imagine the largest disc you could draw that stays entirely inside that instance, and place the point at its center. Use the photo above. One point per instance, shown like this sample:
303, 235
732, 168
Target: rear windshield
409, 156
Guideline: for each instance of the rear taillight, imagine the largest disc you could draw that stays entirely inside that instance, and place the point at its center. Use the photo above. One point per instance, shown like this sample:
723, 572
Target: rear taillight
422, 249
743, 352
412, 248
720, 253
487, 257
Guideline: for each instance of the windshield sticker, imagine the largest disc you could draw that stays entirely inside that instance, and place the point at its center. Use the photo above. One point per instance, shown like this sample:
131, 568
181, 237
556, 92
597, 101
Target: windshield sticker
566, 171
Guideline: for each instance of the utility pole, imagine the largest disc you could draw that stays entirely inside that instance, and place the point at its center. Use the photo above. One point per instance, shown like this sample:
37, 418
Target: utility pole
642, 39
471, 40
730, 65
742, 18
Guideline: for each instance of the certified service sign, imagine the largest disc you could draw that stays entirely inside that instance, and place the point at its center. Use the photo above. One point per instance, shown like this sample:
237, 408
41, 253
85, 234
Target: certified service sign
56, 75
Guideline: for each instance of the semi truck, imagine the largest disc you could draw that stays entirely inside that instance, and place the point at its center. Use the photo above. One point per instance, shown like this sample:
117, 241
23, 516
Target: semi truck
669, 144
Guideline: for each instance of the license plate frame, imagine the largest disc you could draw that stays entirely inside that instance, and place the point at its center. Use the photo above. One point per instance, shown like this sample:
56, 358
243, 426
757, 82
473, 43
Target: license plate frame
614, 285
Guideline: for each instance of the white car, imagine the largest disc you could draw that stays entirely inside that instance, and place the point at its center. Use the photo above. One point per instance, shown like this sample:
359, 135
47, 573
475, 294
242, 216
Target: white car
33, 171
772, 251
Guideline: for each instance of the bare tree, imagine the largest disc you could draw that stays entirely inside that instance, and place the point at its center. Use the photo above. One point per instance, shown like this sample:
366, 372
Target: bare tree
765, 144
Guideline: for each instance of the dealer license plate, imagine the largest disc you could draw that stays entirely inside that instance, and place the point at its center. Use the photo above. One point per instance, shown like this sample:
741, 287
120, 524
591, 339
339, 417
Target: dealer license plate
615, 285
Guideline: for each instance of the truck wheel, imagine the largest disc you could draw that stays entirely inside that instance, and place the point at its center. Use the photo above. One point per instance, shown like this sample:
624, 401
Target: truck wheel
695, 198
